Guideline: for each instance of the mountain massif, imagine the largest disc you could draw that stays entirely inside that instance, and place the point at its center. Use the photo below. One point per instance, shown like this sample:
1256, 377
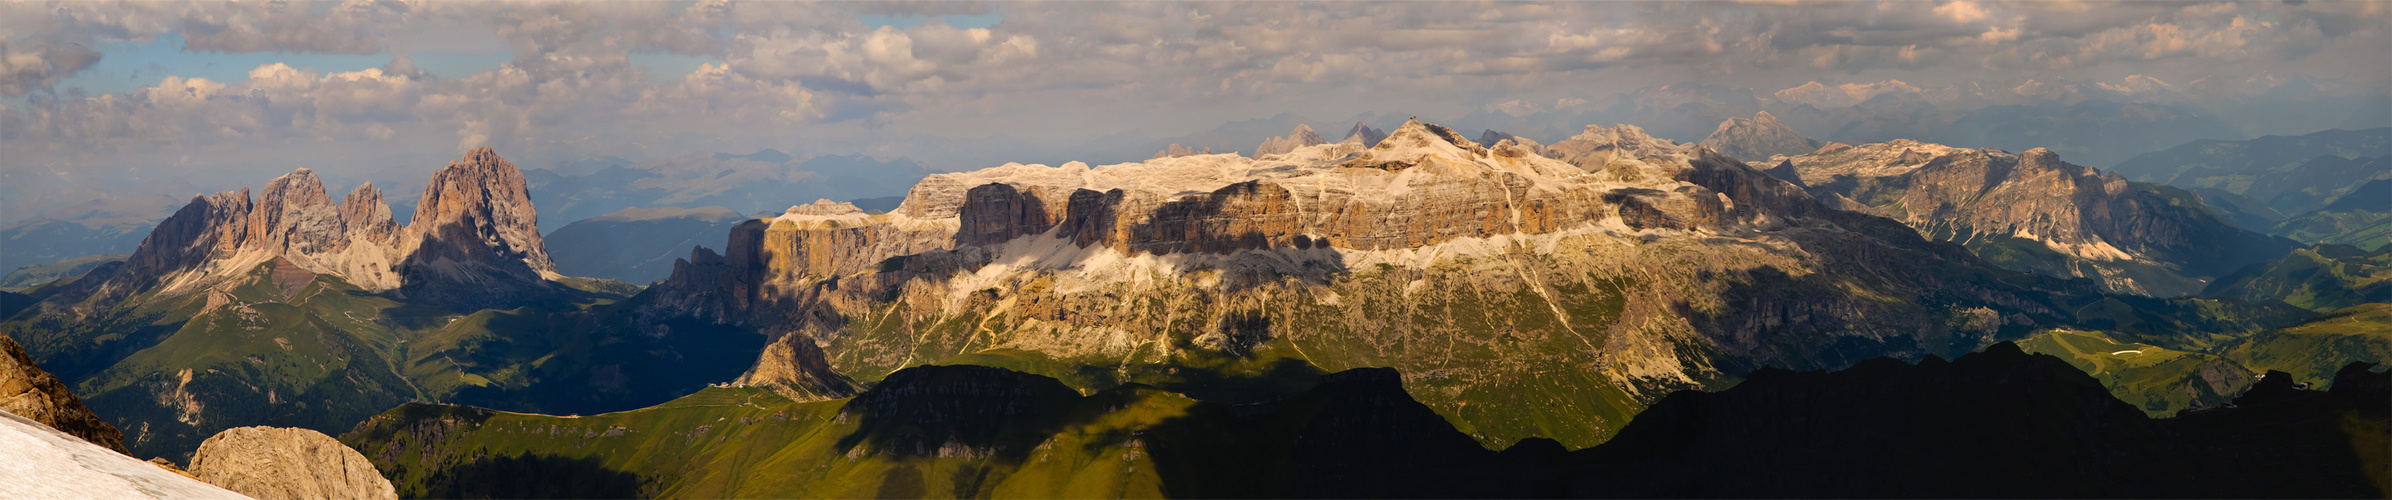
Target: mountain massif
1368, 317
1514, 287
290, 309
2033, 212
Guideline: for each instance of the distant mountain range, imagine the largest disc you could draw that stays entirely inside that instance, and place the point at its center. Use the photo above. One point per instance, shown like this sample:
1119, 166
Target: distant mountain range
766, 180
638, 245
1371, 315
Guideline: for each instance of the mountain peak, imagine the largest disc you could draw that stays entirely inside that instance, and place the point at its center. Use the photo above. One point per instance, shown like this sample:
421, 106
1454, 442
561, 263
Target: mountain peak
476, 214
1418, 134
1363, 135
1303, 136
1757, 139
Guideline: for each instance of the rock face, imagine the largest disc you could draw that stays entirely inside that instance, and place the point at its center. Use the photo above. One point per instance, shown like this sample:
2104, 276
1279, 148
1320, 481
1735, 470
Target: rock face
1301, 137
29, 392
2033, 212
794, 367
46, 463
472, 241
475, 238
273, 463
1344, 256
1757, 139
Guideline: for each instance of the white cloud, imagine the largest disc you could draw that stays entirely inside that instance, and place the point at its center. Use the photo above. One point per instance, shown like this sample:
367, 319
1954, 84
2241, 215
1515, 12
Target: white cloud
779, 70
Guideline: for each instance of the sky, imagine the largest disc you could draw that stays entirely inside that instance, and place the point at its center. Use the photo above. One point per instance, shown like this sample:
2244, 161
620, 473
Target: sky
210, 90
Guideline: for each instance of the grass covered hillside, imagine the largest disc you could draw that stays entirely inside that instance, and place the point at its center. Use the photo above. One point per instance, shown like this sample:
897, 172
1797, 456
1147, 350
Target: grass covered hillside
2312, 350
2323, 278
2010, 423
284, 347
2158, 380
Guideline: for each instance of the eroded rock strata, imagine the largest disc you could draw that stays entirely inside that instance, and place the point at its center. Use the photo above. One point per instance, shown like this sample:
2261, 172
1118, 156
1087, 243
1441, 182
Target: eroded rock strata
2031, 211
1617, 268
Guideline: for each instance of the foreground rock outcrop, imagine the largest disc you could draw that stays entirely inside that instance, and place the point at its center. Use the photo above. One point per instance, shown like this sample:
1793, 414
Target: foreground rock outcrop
27, 391
274, 463
41, 462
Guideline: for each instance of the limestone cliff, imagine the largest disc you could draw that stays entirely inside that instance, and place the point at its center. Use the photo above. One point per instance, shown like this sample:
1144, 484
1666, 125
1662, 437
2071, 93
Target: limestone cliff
474, 237
275, 463
27, 391
1633, 264
2033, 212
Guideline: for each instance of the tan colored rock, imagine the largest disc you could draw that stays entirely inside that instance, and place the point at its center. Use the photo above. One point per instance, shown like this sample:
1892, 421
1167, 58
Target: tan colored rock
37, 461
273, 463
2131, 240
474, 239
794, 368
27, 391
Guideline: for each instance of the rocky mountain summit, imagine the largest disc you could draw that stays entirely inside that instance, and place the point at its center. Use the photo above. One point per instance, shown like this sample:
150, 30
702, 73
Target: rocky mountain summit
475, 238
27, 391
472, 240
293, 310
1301, 137
1474, 267
272, 463
2033, 212
1757, 138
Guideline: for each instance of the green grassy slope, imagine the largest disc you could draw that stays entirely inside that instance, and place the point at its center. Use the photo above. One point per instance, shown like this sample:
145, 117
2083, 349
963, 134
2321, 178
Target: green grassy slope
2019, 424
2324, 278
2159, 380
323, 354
2313, 350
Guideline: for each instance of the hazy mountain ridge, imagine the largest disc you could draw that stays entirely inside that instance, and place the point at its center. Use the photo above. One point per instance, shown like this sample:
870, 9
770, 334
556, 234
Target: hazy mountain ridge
1757, 139
2034, 212
638, 245
746, 184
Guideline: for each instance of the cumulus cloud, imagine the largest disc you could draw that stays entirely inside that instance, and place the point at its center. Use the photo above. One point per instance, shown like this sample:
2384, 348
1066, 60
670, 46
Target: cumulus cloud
24, 71
773, 70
